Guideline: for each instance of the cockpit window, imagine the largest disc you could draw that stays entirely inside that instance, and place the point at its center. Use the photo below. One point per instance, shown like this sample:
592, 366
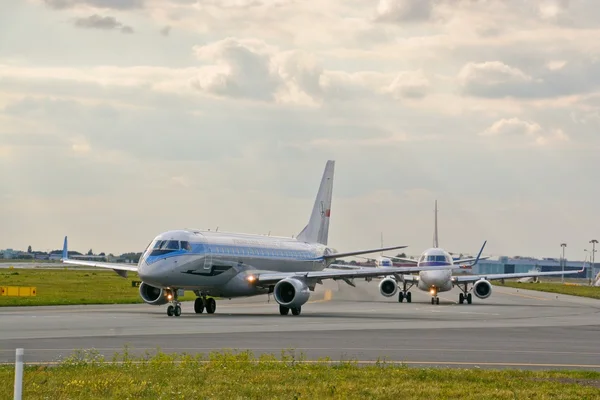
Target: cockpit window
185, 245
164, 246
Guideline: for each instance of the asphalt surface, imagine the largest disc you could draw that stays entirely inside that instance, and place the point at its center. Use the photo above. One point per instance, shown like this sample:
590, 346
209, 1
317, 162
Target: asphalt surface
513, 328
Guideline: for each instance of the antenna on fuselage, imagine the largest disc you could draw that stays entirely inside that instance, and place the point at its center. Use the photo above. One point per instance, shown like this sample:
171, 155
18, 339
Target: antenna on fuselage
217, 230
435, 232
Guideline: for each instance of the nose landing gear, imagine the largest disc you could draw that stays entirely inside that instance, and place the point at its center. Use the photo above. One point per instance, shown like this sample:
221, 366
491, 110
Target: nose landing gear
434, 297
174, 308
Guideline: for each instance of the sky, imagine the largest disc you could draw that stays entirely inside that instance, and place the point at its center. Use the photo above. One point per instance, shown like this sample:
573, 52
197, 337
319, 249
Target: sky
120, 119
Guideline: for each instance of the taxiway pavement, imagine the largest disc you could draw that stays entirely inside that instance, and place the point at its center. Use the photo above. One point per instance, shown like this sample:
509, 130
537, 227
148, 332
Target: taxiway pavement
513, 328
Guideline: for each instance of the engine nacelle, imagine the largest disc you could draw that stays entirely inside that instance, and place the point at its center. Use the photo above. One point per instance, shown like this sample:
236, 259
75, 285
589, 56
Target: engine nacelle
388, 287
482, 289
153, 295
291, 292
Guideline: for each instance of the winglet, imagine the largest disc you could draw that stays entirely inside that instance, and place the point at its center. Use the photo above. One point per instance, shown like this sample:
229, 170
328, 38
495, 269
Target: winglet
65, 252
479, 255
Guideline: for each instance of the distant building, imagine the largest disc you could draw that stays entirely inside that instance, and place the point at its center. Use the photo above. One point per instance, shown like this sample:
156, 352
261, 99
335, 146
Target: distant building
509, 265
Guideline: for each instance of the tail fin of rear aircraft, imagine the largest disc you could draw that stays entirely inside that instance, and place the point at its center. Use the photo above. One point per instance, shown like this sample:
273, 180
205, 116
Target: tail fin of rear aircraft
65, 251
317, 230
436, 243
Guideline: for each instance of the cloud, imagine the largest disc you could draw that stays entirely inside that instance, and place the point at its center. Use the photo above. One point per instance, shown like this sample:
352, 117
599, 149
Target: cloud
106, 23
516, 128
399, 11
476, 77
106, 4
165, 31
241, 69
410, 84
253, 69
552, 9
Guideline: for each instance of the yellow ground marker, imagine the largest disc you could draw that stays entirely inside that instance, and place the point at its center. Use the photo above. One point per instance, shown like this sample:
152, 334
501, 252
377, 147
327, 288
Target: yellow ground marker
18, 291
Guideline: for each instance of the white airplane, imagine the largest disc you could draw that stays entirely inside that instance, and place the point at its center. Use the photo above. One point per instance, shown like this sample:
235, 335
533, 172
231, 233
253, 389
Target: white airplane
442, 280
237, 265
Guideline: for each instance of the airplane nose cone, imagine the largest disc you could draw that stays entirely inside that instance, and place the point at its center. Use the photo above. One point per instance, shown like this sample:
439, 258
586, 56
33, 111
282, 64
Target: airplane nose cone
149, 273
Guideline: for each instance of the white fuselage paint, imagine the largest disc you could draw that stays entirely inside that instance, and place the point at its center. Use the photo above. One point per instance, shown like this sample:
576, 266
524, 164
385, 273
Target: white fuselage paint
218, 263
438, 280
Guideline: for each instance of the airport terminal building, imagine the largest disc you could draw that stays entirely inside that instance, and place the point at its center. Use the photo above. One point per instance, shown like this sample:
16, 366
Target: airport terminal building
508, 265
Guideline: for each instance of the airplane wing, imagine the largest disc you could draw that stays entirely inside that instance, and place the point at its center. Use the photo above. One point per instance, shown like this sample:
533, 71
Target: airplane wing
119, 268
268, 278
355, 253
490, 277
469, 260
408, 260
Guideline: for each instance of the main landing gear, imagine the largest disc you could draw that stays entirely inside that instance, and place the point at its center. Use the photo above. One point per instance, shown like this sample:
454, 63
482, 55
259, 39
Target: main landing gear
202, 303
464, 295
285, 310
405, 294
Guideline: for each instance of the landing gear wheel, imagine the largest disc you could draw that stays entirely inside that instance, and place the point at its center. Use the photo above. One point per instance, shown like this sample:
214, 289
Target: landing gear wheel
296, 311
199, 305
461, 298
432, 300
469, 298
211, 305
177, 311
283, 310
170, 311
408, 297
437, 300
400, 297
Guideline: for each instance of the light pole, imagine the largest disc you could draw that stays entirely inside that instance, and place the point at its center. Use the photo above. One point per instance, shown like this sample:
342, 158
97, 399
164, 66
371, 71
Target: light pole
589, 266
563, 245
593, 242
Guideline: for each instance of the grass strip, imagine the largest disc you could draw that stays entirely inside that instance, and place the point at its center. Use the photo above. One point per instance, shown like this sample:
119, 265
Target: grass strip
573, 290
73, 287
241, 375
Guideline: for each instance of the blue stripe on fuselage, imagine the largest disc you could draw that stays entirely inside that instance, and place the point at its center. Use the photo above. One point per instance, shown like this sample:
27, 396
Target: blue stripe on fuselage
434, 264
237, 251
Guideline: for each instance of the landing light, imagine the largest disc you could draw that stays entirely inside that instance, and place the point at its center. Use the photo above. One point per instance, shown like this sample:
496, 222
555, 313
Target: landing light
251, 278
169, 296
432, 291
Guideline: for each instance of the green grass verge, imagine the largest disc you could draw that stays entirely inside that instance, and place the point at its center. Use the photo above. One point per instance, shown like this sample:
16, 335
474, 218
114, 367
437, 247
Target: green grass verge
228, 375
582, 291
71, 287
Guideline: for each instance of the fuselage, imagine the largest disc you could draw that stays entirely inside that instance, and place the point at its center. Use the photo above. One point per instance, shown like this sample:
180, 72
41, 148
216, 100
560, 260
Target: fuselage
217, 263
438, 280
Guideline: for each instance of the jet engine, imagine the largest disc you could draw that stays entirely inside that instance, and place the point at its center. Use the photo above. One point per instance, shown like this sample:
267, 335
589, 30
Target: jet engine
153, 295
482, 289
388, 287
291, 292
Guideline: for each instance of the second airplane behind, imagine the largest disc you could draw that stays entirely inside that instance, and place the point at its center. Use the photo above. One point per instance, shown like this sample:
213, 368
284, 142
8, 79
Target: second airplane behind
442, 280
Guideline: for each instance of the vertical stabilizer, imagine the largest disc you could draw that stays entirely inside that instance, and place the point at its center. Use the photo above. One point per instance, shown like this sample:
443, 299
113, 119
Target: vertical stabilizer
317, 229
435, 229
